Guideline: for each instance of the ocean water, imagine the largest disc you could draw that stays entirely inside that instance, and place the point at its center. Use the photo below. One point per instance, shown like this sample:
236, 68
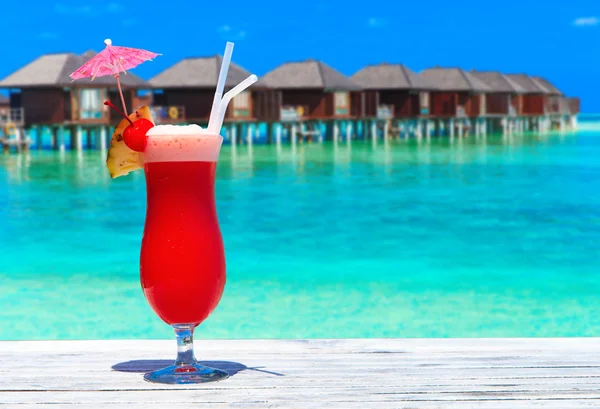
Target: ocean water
494, 237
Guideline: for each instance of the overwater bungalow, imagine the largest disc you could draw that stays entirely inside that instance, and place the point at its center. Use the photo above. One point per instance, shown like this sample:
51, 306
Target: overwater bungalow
393, 90
554, 100
502, 98
558, 106
459, 95
47, 97
316, 97
458, 92
395, 93
532, 102
184, 92
502, 101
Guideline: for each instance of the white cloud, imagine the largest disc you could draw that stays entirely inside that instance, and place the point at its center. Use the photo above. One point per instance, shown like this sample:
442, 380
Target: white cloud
376, 22
228, 33
47, 35
586, 21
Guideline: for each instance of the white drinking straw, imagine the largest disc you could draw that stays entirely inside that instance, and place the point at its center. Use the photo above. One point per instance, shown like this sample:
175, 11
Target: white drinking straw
228, 97
212, 125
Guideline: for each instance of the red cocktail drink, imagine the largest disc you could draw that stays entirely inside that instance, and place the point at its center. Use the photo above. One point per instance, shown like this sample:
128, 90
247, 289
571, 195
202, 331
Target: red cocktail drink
182, 262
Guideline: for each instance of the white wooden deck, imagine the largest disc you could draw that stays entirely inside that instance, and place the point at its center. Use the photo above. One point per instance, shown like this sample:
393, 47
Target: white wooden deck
391, 373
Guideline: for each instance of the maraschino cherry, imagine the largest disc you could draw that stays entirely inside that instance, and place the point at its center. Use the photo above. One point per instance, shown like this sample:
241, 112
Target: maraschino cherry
134, 135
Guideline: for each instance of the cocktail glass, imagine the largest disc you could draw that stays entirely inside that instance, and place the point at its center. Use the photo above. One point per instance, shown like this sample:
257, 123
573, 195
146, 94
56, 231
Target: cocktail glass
182, 263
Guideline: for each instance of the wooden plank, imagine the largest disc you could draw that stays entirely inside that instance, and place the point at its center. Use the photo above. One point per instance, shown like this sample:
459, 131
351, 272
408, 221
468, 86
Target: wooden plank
386, 373
561, 404
511, 386
204, 395
349, 345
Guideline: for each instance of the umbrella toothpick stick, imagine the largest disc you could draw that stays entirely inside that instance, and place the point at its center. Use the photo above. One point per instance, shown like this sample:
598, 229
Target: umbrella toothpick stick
121, 94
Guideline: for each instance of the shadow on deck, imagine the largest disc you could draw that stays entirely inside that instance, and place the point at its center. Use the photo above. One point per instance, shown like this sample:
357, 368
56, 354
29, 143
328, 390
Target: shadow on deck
149, 365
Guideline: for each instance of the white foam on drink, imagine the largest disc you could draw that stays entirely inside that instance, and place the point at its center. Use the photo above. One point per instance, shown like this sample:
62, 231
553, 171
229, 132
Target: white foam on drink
181, 143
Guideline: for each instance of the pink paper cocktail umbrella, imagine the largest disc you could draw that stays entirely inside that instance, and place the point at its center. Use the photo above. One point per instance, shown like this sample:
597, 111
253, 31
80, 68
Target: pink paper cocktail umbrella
113, 61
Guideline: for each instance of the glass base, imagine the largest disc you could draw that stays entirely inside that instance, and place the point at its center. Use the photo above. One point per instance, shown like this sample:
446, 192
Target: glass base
184, 374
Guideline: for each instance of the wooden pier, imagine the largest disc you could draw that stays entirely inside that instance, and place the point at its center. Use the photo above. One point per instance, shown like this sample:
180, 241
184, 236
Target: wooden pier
559, 373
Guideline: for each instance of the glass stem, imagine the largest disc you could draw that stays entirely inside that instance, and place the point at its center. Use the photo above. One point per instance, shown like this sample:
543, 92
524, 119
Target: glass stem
185, 344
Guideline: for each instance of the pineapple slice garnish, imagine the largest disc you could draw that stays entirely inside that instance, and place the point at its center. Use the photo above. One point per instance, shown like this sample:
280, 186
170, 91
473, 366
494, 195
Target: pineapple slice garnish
120, 159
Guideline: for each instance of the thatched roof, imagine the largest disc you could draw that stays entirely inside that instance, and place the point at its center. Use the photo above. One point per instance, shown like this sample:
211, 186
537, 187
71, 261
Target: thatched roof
309, 74
53, 70
528, 84
498, 82
390, 76
201, 72
454, 79
543, 82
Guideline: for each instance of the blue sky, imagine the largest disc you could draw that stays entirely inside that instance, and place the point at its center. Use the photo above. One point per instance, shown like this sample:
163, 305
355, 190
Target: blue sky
558, 40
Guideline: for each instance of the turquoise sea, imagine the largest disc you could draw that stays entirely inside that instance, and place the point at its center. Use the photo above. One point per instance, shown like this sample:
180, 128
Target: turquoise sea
494, 237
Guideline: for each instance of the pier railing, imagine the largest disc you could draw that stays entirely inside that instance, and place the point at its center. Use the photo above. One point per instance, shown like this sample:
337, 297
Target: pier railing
168, 113
15, 116
292, 113
92, 114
